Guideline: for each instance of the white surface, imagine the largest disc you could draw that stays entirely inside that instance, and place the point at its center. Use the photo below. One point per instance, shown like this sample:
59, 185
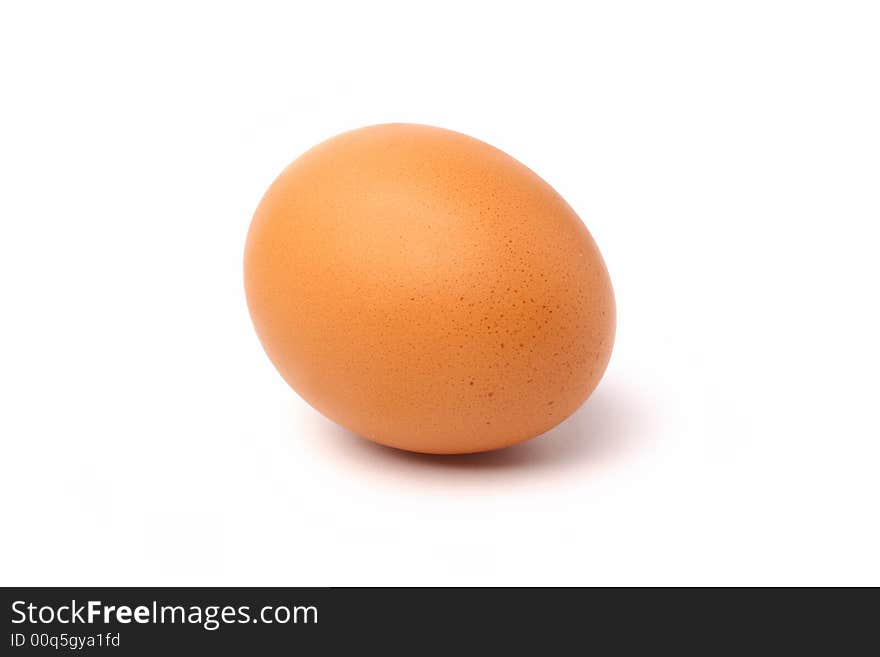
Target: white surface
726, 157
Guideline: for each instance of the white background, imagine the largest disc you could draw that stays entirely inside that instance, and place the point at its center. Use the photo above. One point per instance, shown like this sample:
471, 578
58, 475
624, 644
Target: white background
725, 156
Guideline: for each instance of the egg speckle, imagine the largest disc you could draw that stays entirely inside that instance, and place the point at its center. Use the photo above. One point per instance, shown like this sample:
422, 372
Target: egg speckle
427, 291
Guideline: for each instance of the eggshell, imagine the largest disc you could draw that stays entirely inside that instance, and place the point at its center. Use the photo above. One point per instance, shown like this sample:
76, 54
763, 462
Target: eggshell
427, 291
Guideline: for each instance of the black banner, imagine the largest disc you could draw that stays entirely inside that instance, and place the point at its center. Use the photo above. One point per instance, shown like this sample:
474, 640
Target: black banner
150, 621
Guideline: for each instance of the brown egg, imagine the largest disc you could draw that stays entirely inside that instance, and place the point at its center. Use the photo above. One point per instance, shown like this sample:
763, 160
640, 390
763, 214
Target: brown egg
427, 291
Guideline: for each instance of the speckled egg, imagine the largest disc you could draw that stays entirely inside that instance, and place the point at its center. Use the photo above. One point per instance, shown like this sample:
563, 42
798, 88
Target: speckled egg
427, 291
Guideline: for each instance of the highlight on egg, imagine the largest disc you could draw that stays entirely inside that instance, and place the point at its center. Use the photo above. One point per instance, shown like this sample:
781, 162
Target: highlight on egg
427, 291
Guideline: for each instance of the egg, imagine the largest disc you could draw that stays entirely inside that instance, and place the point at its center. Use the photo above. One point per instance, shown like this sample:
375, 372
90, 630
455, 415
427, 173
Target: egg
427, 291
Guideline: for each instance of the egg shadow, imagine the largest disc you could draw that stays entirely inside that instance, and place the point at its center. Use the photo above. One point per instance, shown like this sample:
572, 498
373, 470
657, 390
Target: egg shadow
612, 423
